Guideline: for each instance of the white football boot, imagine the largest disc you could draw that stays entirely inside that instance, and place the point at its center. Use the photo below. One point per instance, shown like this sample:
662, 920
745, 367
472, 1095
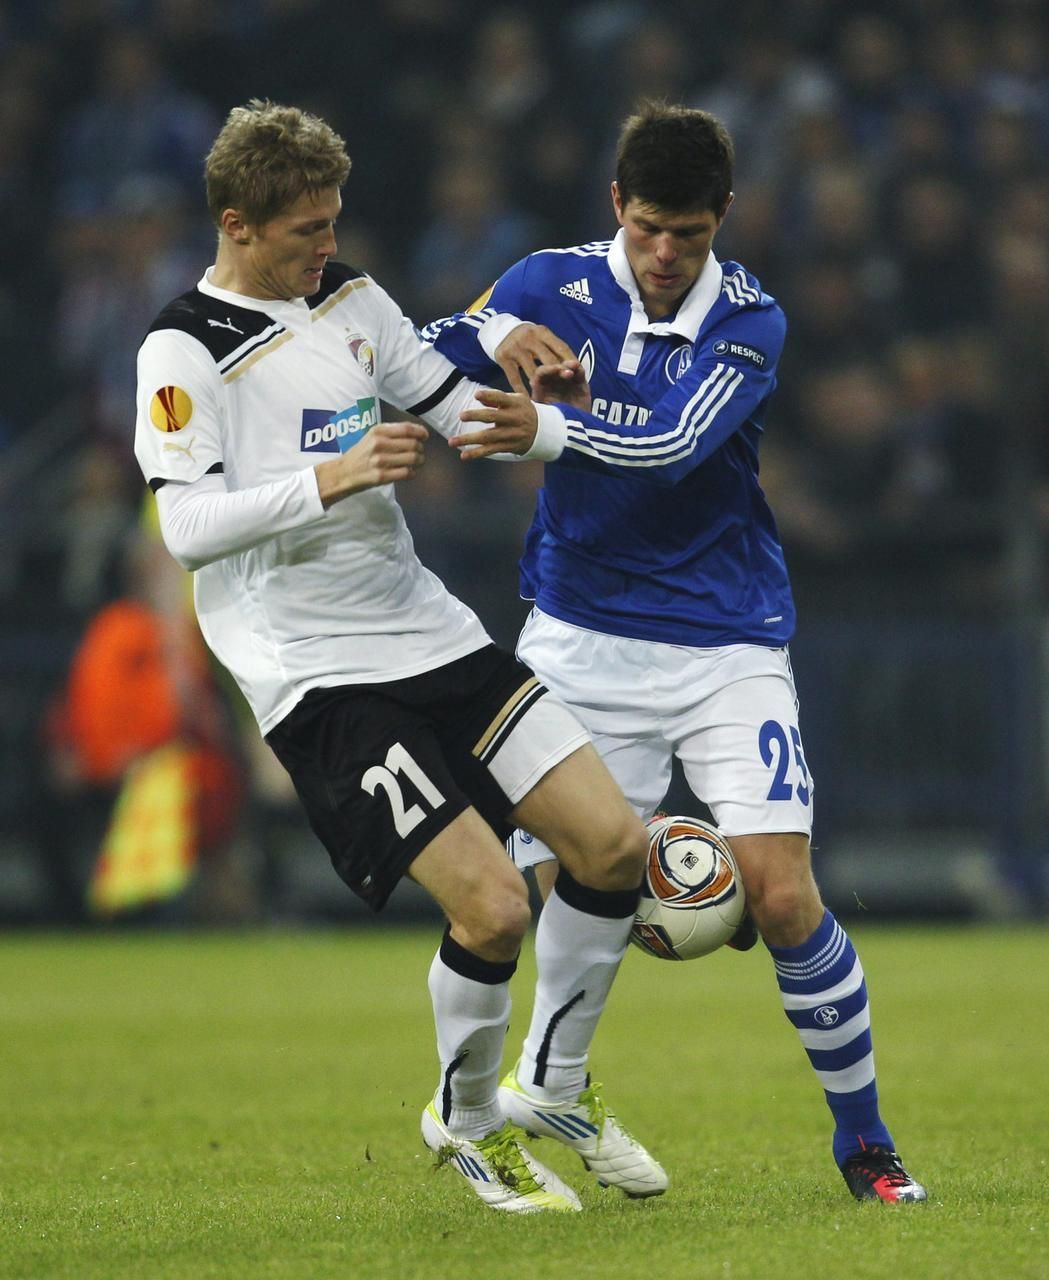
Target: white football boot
587, 1125
499, 1169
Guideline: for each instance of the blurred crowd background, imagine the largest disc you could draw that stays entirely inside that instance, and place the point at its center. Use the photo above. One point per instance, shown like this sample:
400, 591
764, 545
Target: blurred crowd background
892, 191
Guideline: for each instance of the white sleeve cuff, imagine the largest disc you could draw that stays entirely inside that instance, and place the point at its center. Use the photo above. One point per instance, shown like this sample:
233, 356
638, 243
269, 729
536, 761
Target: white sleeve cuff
311, 494
551, 435
494, 330
550, 438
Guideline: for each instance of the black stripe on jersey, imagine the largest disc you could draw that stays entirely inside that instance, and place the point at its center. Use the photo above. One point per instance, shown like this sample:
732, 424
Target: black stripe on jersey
333, 278
453, 379
247, 349
220, 326
158, 482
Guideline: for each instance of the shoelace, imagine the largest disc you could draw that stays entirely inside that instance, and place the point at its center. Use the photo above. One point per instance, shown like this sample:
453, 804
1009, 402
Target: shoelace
595, 1106
598, 1113
879, 1163
503, 1152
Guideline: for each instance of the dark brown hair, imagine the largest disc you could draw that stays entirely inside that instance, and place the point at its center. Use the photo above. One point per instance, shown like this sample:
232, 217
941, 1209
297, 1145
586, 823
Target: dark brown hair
675, 158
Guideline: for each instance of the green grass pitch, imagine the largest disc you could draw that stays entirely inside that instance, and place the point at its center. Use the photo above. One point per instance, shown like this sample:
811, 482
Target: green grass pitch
235, 1106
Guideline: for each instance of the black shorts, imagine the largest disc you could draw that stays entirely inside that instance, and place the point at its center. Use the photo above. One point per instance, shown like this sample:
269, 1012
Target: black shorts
383, 768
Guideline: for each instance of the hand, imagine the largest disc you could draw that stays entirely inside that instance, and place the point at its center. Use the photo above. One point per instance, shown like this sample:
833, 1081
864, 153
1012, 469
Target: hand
514, 424
565, 382
527, 346
389, 452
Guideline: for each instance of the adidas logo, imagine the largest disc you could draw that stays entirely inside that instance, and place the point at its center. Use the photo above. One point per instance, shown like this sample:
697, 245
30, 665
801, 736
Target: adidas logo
578, 289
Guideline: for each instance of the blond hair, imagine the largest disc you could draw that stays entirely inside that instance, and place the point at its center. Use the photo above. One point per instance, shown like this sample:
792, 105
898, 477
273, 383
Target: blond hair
266, 156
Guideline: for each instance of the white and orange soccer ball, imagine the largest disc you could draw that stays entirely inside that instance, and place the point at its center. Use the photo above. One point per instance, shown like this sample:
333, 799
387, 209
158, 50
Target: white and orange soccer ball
692, 898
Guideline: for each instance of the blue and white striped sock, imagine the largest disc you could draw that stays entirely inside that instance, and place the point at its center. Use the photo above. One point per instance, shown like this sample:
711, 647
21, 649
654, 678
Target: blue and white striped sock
825, 997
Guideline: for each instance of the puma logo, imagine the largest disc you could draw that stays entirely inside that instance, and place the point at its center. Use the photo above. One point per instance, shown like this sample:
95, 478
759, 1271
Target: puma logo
186, 448
225, 324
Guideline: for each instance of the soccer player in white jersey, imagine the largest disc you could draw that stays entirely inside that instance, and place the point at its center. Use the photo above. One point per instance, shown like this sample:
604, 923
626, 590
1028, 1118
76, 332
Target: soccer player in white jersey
414, 743
662, 615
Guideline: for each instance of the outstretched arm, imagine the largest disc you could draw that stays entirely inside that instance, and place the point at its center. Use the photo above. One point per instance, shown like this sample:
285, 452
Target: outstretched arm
515, 420
724, 388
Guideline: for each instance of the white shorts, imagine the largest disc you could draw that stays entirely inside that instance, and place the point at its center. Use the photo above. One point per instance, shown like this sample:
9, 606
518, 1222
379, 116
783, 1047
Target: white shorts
729, 714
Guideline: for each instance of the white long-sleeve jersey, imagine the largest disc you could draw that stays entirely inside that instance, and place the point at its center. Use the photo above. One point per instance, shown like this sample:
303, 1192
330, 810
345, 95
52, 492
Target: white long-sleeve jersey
238, 399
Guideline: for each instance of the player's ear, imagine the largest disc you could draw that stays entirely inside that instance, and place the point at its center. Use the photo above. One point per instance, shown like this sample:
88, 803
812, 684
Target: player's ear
728, 205
617, 201
234, 226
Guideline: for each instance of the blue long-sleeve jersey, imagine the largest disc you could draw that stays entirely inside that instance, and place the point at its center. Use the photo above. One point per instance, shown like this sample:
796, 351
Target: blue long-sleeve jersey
652, 523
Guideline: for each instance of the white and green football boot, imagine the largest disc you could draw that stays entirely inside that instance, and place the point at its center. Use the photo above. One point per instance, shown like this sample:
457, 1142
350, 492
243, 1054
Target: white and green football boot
499, 1169
590, 1128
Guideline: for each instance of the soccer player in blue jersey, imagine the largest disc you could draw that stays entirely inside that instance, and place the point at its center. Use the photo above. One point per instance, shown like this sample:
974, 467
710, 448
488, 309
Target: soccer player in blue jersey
663, 607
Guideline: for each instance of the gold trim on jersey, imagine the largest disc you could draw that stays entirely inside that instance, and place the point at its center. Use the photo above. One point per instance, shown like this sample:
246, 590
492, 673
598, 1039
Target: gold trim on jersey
478, 304
505, 713
342, 292
256, 356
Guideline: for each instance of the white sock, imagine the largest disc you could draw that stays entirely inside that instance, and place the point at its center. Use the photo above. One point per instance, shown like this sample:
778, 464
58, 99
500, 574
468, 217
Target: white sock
578, 951
471, 1013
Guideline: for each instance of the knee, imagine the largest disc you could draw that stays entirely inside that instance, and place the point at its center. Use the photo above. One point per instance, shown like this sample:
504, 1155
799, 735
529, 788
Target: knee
493, 923
631, 850
782, 896
508, 918
786, 909
619, 861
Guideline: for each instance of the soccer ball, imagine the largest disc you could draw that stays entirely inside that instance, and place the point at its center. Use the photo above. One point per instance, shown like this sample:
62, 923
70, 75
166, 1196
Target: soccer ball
692, 898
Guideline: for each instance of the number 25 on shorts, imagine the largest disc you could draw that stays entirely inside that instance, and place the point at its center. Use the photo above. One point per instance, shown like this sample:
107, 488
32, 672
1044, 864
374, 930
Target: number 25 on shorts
781, 752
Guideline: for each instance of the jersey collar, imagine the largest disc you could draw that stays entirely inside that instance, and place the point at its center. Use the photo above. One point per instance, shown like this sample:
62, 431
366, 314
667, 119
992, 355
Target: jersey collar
294, 313
693, 310
694, 306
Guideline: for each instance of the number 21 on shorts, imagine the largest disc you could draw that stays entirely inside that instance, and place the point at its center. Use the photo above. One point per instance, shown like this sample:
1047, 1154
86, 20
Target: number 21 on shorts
384, 776
781, 752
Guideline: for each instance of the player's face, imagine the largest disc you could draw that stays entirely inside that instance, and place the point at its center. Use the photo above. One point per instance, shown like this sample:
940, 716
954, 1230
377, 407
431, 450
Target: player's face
285, 256
666, 251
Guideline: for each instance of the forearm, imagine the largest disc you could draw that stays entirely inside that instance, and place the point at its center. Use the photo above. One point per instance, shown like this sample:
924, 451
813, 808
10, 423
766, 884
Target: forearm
495, 330
204, 521
535, 432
